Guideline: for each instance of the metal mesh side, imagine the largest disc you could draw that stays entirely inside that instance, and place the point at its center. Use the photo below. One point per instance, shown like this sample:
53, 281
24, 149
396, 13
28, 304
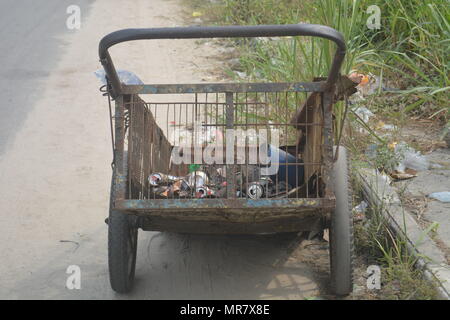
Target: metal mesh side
192, 122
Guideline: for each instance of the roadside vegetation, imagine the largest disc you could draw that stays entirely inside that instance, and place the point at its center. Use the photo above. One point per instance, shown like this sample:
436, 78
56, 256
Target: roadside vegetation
376, 244
407, 61
411, 49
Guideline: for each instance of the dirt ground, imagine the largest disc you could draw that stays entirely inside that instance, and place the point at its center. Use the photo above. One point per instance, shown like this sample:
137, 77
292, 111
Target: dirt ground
55, 186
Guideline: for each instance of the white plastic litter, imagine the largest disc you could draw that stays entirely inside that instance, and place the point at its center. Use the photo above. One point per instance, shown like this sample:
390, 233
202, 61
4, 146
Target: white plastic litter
443, 196
388, 127
361, 208
241, 75
359, 212
410, 158
125, 77
364, 113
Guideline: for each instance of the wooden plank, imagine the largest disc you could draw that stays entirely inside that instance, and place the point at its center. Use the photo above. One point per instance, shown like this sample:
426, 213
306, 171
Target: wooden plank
313, 137
345, 87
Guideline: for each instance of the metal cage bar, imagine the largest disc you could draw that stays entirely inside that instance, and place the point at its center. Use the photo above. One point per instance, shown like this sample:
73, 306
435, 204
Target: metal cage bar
219, 32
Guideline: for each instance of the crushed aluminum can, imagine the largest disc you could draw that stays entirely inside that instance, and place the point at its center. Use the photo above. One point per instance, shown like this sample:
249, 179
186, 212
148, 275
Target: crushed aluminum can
255, 190
179, 189
181, 185
222, 171
160, 179
197, 179
204, 192
258, 189
160, 191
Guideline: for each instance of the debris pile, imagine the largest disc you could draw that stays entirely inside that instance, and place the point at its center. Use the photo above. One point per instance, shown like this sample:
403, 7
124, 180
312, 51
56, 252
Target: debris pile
401, 161
169, 186
210, 182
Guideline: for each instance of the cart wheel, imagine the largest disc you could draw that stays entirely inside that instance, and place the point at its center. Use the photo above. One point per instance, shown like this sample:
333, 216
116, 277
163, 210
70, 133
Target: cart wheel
341, 231
122, 248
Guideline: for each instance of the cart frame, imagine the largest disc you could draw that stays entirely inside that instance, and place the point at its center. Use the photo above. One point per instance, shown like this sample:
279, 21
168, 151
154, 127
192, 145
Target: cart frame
208, 207
230, 214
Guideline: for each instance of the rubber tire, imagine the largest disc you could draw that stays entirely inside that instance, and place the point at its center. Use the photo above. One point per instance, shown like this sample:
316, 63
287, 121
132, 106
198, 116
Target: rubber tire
122, 249
341, 229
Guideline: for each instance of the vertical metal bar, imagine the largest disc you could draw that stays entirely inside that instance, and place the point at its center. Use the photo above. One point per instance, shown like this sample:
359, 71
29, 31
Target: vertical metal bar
267, 127
327, 106
131, 165
279, 117
231, 176
111, 123
144, 150
296, 104
121, 175
305, 133
244, 184
286, 97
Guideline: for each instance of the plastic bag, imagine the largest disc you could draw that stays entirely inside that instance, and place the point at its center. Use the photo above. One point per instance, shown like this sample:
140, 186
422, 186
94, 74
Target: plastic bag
125, 77
443, 196
361, 208
364, 113
411, 159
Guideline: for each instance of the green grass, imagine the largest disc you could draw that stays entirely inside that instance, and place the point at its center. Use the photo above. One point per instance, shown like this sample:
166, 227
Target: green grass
415, 44
400, 279
411, 49
376, 243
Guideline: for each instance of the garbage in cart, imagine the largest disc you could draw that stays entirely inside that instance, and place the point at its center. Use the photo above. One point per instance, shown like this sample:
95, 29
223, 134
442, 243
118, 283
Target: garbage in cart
210, 181
198, 184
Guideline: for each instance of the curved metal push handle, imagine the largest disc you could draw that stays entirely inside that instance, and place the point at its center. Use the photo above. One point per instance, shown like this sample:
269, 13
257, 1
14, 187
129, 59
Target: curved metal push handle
313, 30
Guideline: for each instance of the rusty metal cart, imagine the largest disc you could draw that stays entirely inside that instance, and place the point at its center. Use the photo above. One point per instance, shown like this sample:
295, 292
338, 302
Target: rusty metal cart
310, 193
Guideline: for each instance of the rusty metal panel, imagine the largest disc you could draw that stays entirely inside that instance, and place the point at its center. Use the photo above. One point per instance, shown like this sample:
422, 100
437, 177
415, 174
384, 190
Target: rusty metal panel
267, 207
223, 87
283, 224
327, 105
313, 135
148, 148
120, 172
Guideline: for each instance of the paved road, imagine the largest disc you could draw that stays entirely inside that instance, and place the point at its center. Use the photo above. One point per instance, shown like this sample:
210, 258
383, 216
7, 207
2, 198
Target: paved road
55, 170
31, 34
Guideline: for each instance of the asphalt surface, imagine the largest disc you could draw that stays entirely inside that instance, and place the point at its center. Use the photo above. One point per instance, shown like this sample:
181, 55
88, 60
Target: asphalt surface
32, 39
